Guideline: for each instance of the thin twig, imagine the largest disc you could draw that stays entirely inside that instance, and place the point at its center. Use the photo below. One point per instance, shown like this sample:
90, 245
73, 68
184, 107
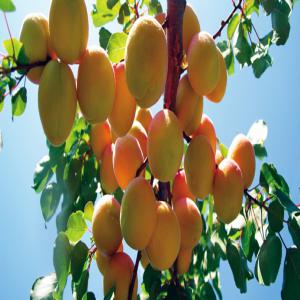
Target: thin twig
10, 36
282, 241
134, 274
142, 167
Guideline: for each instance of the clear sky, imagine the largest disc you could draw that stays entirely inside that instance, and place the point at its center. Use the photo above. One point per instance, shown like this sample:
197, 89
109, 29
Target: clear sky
26, 246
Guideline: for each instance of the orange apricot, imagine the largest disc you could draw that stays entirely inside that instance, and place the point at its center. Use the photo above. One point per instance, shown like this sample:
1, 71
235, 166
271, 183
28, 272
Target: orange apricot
143, 115
218, 157
184, 260
180, 187
138, 131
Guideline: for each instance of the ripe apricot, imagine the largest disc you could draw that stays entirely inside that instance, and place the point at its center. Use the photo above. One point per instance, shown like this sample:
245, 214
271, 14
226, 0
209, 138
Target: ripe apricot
122, 115
146, 61
242, 152
57, 101
138, 213
127, 158
165, 145
218, 157
219, 91
164, 244
180, 188
106, 225
184, 260
95, 85
69, 28
138, 131
100, 138
196, 119
228, 190
199, 166
190, 222
203, 63
143, 115
107, 175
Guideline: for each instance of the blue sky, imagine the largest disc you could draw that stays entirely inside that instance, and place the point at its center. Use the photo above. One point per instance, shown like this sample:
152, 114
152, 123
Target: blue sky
26, 246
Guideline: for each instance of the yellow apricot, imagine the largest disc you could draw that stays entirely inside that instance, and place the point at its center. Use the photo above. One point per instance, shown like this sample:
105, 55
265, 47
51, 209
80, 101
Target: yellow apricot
207, 129
218, 157
165, 145
196, 119
100, 138
199, 166
123, 112
95, 85
219, 91
203, 63
146, 61
228, 190
107, 175
57, 101
106, 225
144, 259
184, 260
138, 213
118, 275
69, 28
190, 26
180, 188
35, 38
138, 131
127, 158
143, 115
164, 244
242, 152
190, 222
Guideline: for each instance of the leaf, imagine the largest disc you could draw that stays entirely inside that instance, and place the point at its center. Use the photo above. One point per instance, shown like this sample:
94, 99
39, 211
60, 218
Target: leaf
251, 6
227, 53
79, 256
294, 227
43, 287
49, 200
88, 211
260, 62
109, 295
233, 23
286, 201
118, 194
76, 226
280, 24
275, 216
260, 151
102, 14
154, 7
223, 149
104, 36
19, 101
13, 47
248, 239
42, 174
268, 260
7, 6
89, 296
268, 5
124, 13
80, 288
207, 292
116, 46
151, 278
111, 3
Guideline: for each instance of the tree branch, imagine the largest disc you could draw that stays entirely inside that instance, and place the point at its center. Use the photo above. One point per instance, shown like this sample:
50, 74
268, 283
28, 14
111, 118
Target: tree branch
134, 274
142, 167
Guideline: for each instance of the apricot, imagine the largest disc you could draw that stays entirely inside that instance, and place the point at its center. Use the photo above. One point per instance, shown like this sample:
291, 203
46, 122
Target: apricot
57, 101
184, 260
144, 259
194, 123
203, 63
219, 91
95, 85
123, 112
138, 213
199, 166
218, 157
161, 18
118, 275
190, 26
180, 188
165, 145
127, 158
190, 222
242, 152
207, 129
228, 190
106, 225
100, 138
107, 175
146, 61
164, 244
143, 115
138, 131
69, 29
35, 38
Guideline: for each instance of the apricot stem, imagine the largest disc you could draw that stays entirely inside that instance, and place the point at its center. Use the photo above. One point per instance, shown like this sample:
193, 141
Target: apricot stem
136, 265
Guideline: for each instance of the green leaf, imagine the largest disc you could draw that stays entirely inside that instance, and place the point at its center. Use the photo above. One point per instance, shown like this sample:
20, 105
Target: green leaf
72, 176
286, 201
111, 3
227, 53
294, 227
223, 149
13, 47
76, 226
248, 239
268, 260
109, 295
104, 36
260, 62
42, 174
232, 25
61, 260
275, 216
124, 14
268, 5
151, 278
116, 46
79, 256
49, 200
260, 151
43, 287
118, 194
80, 288
154, 7
207, 292
88, 211
89, 296
102, 14
7, 6
291, 275
19, 101
251, 6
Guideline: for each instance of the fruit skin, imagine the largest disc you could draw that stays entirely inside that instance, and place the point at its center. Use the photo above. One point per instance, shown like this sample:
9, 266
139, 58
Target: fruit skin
165, 145
107, 175
184, 260
203, 63
207, 129
127, 158
199, 166
144, 259
57, 101
146, 61
106, 225
138, 131
100, 138
122, 115
69, 29
190, 26
180, 188
218, 157
196, 119
228, 190
144, 116
118, 275
164, 244
219, 91
190, 222
242, 152
95, 85
138, 213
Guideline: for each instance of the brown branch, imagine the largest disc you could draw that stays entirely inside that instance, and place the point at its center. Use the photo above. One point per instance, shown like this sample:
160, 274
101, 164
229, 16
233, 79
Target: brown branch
141, 168
134, 274
186, 137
